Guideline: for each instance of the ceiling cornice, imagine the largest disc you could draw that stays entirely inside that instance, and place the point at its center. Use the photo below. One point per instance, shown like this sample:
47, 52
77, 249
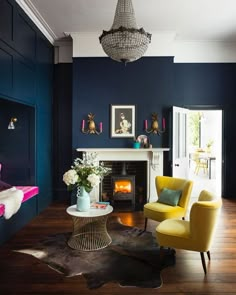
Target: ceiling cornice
166, 43
37, 19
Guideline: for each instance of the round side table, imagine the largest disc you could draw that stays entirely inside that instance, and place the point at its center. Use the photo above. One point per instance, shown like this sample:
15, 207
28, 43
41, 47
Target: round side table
89, 229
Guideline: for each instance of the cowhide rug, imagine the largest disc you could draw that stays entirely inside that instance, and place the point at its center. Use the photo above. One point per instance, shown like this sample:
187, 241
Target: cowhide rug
132, 259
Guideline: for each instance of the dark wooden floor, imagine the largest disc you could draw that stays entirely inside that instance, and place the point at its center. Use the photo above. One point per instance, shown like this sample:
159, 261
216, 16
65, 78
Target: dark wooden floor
24, 274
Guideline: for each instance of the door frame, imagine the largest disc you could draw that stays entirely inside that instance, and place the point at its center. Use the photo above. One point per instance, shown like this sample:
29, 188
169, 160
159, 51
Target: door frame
223, 156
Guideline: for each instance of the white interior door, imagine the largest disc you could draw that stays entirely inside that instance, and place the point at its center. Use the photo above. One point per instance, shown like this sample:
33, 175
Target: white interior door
180, 156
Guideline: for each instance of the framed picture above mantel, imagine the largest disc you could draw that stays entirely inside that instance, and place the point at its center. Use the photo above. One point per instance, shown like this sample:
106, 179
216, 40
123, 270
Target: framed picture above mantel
123, 121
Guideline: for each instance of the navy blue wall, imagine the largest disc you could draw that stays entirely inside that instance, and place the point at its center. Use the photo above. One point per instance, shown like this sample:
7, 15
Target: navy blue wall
17, 148
100, 82
26, 76
153, 84
62, 127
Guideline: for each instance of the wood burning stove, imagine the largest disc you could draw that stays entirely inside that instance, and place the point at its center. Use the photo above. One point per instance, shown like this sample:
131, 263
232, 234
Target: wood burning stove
123, 190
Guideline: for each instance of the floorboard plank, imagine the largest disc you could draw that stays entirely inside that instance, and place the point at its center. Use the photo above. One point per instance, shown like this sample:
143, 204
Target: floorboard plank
23, 274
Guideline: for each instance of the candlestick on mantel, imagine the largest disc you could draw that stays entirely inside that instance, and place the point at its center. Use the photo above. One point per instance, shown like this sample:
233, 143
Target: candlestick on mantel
83, 124
100, 127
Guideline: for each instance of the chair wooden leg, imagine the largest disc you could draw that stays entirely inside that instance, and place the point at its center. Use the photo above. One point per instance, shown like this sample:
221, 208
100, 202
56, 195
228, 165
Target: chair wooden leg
209, 255
145, 224
203, 262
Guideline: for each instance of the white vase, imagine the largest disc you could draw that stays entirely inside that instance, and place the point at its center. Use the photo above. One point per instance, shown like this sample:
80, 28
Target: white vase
83, 200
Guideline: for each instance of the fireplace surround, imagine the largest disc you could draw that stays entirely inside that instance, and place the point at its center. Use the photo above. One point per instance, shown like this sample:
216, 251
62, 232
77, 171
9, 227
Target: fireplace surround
153, 156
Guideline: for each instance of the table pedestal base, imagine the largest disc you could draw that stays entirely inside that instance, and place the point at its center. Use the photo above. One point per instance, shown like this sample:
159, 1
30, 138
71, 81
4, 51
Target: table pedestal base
89, 234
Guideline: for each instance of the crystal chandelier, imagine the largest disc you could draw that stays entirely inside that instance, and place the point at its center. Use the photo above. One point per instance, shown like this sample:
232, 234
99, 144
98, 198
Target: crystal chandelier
124, 42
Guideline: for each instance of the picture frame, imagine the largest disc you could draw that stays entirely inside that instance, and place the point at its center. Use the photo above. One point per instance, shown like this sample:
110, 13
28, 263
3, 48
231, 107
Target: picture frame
123, 121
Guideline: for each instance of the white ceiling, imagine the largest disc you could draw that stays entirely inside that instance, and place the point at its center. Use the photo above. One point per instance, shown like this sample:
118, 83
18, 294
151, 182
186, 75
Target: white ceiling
189, 20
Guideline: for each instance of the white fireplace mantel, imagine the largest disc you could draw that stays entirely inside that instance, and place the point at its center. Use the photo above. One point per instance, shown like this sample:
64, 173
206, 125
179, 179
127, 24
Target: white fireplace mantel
153, 157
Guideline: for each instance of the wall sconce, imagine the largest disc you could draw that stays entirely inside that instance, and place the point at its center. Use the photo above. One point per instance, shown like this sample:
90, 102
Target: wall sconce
11, 124
91, 126
155, 126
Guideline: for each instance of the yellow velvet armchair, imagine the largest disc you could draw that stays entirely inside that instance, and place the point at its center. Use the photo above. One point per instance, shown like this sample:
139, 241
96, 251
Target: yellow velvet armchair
195, 234
159, 211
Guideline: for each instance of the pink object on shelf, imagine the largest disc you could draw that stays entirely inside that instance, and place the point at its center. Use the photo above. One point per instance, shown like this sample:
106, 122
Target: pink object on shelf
29, 192
100, 127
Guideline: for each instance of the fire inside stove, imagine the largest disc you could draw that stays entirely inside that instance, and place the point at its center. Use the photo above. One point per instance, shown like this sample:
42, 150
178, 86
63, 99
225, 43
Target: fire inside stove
123, 186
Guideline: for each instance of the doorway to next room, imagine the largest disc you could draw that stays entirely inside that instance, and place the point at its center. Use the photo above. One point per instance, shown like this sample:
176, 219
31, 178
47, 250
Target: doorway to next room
197, 148
204, 136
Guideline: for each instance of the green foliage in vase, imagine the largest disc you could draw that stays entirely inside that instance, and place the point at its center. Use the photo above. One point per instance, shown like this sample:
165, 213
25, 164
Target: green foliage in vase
86, 172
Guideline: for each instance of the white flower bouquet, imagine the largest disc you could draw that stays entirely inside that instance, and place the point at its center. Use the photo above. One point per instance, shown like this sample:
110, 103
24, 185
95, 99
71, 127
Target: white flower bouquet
86, 172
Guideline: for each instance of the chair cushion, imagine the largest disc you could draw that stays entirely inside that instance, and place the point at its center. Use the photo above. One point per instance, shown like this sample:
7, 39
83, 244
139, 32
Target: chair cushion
4, 186
169, 197
174, 227
159, 211
29, 192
